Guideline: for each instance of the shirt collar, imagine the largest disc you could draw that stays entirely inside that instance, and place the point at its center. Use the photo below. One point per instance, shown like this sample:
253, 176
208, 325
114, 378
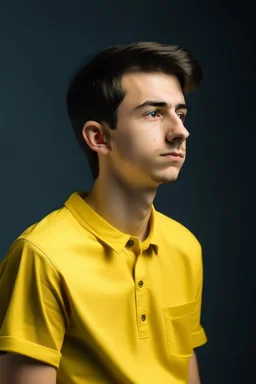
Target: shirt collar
110, 235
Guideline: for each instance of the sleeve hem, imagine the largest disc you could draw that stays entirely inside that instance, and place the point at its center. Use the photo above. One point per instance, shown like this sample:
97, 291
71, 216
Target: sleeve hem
198, 338
30, 349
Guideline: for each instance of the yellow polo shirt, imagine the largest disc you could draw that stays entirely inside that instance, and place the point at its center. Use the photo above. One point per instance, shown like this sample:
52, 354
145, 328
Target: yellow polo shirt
100, 305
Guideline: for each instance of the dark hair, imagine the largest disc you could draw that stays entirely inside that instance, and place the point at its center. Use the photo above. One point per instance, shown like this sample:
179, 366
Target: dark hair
95, 92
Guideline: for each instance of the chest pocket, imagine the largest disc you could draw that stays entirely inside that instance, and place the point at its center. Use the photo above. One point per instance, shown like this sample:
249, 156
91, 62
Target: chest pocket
178, 321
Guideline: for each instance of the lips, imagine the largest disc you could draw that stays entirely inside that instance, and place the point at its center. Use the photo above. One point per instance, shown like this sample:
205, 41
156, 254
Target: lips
177, 154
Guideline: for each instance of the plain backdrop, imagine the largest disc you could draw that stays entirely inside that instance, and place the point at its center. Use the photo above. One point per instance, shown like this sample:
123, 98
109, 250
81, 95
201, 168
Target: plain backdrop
43, 43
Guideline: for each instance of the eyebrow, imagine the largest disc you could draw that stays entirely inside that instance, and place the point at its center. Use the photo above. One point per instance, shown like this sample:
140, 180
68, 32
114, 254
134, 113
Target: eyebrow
163, 104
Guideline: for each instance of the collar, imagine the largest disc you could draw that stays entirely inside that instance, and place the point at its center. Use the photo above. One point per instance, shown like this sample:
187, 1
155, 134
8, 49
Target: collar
110, 235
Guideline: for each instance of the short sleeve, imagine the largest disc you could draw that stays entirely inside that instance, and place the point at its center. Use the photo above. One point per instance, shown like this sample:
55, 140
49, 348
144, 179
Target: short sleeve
33, 314
198, 335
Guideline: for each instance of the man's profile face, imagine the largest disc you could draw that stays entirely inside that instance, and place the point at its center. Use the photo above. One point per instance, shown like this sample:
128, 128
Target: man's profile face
145, 133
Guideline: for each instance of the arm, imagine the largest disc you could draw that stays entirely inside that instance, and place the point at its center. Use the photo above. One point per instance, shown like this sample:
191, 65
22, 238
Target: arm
18, 369
33, 313
193, 371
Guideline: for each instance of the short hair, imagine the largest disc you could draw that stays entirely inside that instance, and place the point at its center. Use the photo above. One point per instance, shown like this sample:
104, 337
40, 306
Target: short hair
95, 92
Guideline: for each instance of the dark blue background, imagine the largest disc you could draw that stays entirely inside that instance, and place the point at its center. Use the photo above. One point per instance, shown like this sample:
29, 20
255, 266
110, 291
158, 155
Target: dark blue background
43, 43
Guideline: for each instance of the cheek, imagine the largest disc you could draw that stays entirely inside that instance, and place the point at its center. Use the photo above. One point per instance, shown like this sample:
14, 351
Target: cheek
130, 140
136, 140
126, 146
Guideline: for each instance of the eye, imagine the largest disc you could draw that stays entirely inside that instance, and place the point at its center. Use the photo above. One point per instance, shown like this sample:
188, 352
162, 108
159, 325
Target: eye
152, 114
181, 116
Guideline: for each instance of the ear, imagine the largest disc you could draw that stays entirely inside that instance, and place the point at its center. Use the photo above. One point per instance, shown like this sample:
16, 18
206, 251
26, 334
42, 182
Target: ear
94, 135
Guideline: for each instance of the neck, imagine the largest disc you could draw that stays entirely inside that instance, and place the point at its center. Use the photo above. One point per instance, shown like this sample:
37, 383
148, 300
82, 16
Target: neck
127, 210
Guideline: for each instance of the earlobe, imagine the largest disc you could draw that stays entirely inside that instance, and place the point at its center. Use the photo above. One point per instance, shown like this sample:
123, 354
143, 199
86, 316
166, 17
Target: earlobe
93, 134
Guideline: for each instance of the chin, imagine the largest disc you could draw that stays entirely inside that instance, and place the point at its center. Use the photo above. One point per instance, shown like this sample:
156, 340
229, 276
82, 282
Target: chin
170, 180
167, 178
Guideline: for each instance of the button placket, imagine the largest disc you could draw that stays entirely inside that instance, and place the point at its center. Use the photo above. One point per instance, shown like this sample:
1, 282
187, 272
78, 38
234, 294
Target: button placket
141, 298
130, 248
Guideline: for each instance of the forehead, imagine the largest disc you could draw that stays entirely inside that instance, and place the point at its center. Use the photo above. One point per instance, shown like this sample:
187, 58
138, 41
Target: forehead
141, 86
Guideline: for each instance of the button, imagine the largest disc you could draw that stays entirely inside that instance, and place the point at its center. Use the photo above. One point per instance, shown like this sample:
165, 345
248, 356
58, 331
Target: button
140, 283
143, 317
130, 243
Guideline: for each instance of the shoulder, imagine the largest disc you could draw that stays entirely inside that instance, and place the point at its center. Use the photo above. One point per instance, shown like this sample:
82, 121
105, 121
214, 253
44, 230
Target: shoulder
170, 226
46, 238
51, 223
175, 235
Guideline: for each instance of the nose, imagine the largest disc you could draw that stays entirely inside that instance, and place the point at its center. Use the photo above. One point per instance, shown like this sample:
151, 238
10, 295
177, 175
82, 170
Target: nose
177, 131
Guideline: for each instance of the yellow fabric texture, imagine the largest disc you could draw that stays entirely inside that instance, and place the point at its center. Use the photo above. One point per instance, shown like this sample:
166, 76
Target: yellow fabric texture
78, 294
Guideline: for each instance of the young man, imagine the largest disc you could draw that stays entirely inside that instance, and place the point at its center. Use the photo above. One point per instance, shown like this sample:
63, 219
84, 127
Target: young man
106, 289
